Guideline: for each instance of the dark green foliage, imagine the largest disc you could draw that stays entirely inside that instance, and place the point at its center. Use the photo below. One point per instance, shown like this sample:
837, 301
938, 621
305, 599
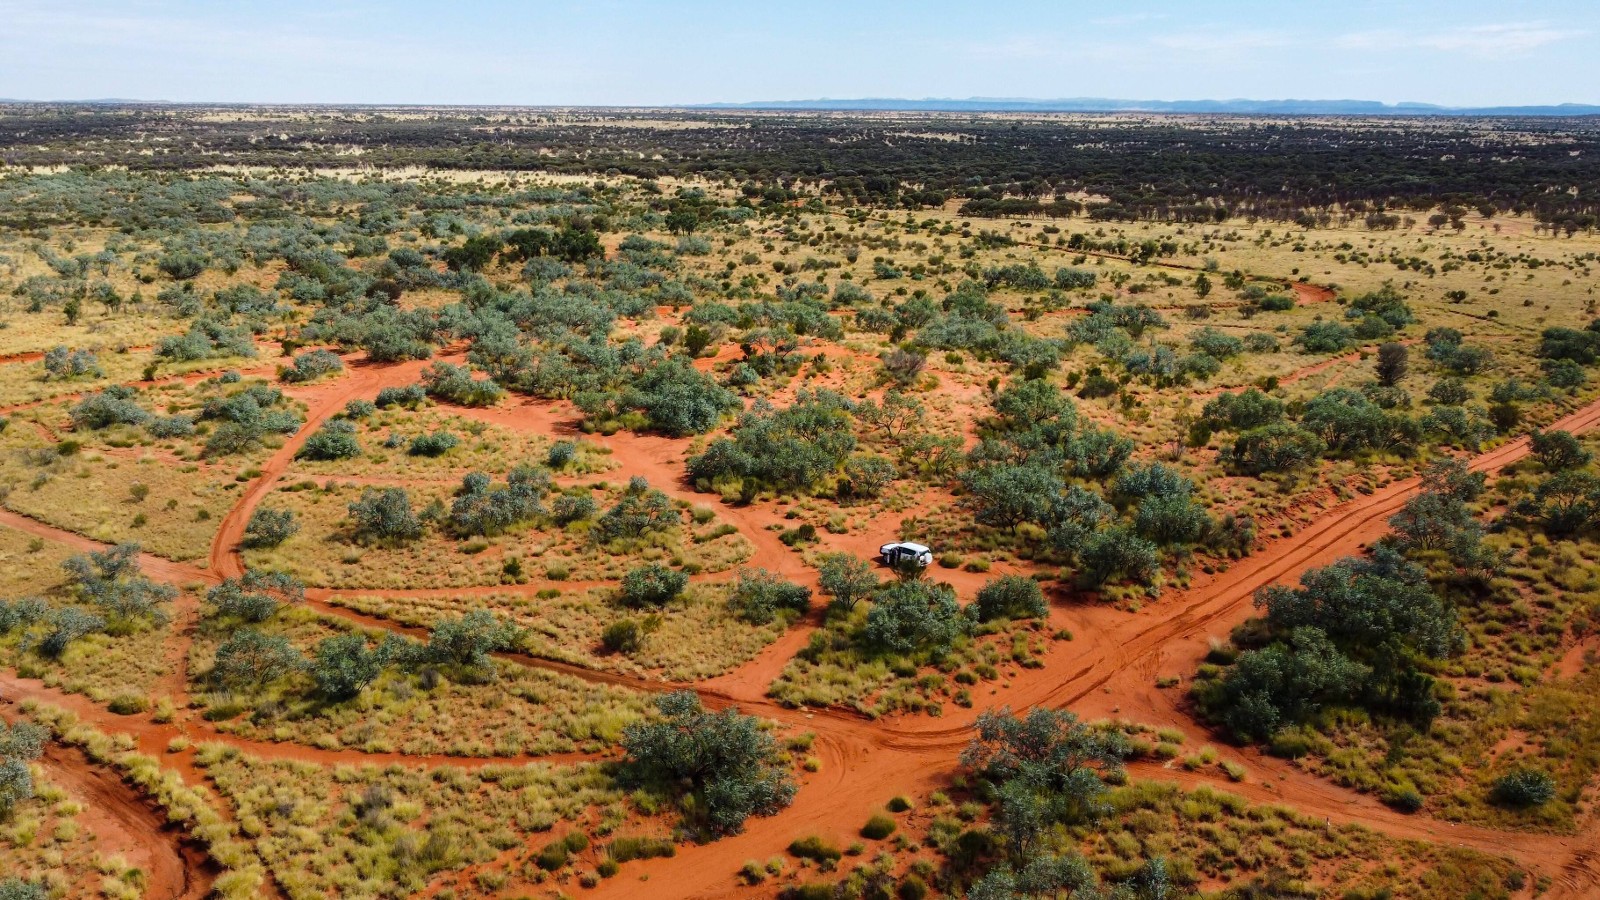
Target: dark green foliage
437, 443
455, 384
1243, 411
1278, 447
652, 585
867, 476
270, 527
111, 581
1354, 633
722, 762
1347, 422
1449, 392
846, 579
1325, 337
475, 254
759, 596
1005, 496
678, 399
481, 509
1285, 683
1217, 344
791, 449
1524, 788
1116, 552
468, 641
1558, 451
256, 596
1393, 363
878, 827
1385, 305
249, 658
640, 511
1564, 373
112, 406
623, 636
385, 514
1010, 597
336, 439
915, 617
1566, 503
1364, 604
342, 665
409, 397
312, 365
1046, 768
1581, 347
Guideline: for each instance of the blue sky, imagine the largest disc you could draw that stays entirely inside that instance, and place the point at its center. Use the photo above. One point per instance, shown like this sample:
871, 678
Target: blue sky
620, 52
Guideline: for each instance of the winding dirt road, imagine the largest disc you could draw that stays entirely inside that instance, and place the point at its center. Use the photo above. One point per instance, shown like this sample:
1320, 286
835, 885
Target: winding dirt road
1108, 670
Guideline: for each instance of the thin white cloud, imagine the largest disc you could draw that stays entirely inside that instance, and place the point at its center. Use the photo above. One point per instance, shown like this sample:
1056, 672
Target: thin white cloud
1126, 19
1494, 41
1221, 42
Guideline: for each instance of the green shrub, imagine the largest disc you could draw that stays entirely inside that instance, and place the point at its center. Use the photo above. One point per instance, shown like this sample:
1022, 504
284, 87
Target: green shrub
128, 704
652, 585
1524, 788
622, 636
815, 849
878, 827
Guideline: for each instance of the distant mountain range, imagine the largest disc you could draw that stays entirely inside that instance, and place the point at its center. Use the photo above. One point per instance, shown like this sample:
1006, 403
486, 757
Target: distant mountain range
1102, 104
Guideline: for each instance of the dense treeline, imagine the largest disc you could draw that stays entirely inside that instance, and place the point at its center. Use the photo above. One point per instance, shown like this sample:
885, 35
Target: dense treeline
1197, 171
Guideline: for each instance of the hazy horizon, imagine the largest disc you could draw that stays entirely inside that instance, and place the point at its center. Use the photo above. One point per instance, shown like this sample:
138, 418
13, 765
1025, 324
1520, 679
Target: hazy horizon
1472, 53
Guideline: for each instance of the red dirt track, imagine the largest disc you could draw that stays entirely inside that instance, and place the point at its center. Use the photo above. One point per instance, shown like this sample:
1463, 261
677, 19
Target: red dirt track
1110, 669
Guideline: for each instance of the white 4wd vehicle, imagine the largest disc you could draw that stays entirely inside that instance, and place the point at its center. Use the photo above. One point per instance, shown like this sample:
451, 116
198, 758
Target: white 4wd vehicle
902, 553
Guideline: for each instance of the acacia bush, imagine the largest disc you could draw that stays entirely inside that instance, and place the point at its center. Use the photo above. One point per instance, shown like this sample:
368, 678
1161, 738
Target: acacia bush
270, 527
480, 508
336, 439
112, 406
385, 515
1356, 633
790, 449
1010, 597
1524, 788
20, 743
639, 511
1278, 447
760, 596
250, 659
915, 618
311, 365
410, 396
652, 585
62, 364
722, 766
111, 581
434, 444
455, 384
256, 596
